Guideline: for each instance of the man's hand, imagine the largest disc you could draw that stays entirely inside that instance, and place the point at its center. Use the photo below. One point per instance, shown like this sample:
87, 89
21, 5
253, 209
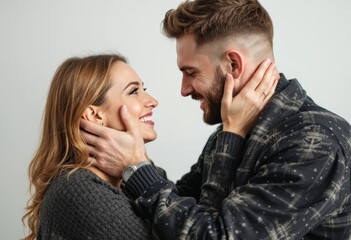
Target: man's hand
239, 113
111, 150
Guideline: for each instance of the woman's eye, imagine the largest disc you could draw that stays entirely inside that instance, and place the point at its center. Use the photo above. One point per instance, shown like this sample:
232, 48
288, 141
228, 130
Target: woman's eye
135, 91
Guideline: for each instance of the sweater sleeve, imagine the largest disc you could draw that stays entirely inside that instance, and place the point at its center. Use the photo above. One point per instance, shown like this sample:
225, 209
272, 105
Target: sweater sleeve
286, 197
87, 208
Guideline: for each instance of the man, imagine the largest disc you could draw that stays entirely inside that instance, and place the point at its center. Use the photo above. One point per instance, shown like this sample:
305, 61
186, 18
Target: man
286, 177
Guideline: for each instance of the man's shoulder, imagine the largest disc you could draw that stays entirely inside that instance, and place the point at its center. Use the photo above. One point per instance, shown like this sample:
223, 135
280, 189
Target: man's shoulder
312, 121
313, 114
299, 109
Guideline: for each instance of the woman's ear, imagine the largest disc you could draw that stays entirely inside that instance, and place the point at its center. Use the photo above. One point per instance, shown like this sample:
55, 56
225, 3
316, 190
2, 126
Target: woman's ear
236, 63
92, 114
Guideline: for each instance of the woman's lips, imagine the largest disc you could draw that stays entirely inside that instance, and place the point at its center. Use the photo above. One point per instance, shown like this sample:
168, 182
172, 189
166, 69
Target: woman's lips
147, 119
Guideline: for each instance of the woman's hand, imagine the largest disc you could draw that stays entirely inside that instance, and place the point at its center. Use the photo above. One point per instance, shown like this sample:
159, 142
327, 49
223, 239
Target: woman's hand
239, 113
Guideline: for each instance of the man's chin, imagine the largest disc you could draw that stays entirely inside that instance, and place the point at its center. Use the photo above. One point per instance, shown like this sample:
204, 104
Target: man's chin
211, 120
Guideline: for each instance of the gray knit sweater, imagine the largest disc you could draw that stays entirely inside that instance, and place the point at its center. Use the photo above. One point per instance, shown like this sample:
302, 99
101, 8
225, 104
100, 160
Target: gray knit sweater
82, 206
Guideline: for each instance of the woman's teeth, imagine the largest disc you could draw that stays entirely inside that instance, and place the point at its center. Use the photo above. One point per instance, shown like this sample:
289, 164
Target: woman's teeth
145, 119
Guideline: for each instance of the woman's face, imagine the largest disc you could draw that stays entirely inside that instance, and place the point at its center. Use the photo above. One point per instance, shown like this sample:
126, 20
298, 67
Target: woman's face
127, 89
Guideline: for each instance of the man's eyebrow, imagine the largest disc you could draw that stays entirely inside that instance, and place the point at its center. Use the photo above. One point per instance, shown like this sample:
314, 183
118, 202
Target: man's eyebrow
133, 83
184, 68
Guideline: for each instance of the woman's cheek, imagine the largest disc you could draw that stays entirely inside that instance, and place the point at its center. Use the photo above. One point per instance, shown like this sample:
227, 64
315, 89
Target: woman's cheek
135, 109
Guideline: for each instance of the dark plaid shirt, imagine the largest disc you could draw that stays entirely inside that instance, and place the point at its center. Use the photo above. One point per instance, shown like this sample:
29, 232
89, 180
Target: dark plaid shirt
290, 179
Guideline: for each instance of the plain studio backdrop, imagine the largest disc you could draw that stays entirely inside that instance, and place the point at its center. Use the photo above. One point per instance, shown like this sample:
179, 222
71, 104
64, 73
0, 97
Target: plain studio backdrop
312, 43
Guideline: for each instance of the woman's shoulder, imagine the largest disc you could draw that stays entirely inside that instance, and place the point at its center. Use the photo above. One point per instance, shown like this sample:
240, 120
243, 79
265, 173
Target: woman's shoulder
78, 202
82, 191
81, 185
80, 176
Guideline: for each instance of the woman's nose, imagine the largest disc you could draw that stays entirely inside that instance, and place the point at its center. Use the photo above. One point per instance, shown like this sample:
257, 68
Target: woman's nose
152, 102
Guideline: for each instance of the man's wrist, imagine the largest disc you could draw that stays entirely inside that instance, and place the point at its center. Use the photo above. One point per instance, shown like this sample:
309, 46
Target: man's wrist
142, 180
128, 171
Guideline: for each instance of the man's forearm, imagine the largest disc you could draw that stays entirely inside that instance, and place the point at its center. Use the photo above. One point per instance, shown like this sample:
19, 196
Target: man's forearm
222, 165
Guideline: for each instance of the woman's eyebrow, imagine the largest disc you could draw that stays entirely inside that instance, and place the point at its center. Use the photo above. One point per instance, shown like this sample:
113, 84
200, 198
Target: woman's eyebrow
133, 83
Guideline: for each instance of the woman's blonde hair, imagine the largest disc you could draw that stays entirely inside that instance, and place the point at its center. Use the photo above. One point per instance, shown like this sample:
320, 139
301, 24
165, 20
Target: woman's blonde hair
77, 83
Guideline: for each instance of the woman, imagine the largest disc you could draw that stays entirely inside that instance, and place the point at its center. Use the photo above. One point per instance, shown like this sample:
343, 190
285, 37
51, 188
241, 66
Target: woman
72, 198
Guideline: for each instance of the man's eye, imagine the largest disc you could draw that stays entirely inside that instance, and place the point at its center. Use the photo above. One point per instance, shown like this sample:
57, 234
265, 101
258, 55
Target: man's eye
190, 74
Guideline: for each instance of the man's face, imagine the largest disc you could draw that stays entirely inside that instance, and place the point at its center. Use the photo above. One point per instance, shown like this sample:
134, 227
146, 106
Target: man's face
202, 79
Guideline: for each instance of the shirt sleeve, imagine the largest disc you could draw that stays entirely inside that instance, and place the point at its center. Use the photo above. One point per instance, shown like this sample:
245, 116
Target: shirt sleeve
190, 185
221, 164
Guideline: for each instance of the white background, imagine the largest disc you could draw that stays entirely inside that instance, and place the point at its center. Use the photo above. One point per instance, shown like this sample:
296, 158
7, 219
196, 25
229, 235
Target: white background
312, 44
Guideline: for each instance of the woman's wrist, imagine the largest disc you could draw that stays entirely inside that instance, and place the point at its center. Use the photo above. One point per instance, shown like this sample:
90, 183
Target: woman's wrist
234, 129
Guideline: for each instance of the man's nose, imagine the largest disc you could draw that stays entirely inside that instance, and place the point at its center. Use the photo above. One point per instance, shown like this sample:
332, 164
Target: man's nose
186, 88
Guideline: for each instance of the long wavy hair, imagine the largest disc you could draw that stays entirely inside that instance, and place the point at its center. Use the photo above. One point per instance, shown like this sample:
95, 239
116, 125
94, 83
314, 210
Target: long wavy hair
77, 83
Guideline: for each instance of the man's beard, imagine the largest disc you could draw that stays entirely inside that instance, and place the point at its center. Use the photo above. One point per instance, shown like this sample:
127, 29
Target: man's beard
214, 99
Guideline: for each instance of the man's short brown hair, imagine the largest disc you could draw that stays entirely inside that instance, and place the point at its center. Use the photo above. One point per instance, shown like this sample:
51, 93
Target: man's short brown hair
211, 20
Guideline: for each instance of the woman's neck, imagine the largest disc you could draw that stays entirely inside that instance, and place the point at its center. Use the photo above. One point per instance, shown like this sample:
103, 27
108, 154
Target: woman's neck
108, 178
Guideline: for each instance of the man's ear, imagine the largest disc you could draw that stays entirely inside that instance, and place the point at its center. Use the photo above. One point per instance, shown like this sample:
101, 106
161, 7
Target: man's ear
236, 63
92, 114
